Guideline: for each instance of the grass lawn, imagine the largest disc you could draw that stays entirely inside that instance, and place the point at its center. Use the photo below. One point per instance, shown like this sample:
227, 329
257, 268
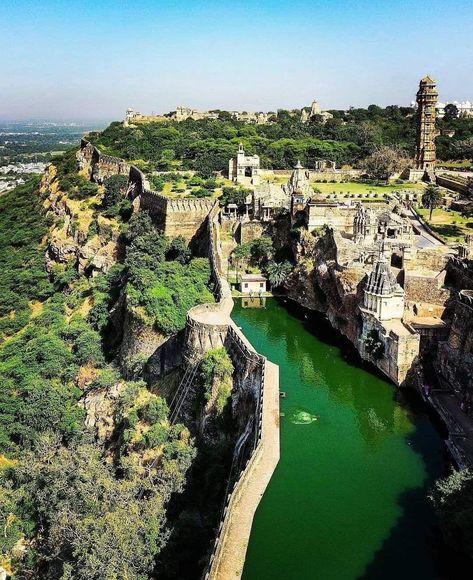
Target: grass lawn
451, 225
456, 164
355, 189
170, 190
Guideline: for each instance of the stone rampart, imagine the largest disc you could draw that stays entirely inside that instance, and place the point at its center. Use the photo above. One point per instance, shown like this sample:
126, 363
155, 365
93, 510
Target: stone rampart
184, 217
210, 326
98, 165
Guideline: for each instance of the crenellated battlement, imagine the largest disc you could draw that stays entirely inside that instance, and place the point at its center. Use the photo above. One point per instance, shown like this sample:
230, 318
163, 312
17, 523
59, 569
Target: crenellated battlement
175, 217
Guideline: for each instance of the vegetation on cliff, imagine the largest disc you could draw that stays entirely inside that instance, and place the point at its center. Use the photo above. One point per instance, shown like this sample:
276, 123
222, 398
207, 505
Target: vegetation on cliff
216, 372
22, 275
163, 280
72, 505
453, 501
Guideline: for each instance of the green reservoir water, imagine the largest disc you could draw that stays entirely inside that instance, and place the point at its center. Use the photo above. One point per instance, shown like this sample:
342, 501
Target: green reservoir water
348, 499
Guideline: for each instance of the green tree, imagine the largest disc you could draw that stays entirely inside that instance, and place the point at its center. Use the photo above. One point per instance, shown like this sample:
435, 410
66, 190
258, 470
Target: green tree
452, 497
179, 250
384, 162
432, 198
115, 189
451, 112
278, 272
262, 249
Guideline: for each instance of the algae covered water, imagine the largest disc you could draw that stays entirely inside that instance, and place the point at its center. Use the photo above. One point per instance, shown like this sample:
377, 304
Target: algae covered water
348, 498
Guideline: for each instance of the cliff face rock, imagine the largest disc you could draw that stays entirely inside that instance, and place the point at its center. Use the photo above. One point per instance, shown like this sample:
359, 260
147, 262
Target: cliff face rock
454, 362
140, 341
101, 406
320, 284
79, 237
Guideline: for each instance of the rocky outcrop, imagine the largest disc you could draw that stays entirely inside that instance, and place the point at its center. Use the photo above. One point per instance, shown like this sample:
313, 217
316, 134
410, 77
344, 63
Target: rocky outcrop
140, 341
78, 237
101, 406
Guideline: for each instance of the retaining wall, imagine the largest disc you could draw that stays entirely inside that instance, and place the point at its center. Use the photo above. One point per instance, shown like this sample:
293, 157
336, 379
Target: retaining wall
456, 183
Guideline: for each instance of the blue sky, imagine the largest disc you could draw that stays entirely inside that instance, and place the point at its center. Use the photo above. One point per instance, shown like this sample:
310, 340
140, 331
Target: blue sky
71, 59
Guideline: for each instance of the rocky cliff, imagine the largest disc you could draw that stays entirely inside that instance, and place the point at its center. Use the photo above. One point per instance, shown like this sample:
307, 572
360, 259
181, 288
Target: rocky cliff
318, 283
77, 238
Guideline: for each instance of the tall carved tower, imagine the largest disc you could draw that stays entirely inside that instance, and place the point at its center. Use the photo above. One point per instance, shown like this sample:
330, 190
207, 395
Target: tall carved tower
427, 95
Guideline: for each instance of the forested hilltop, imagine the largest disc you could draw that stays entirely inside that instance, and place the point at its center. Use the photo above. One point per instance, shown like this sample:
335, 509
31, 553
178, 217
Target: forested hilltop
88, 456
207, 145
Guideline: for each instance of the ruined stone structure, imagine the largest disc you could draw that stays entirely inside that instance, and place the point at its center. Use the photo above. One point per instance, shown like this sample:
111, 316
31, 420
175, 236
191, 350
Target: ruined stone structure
298, 183
99, 166
324, 165
370, 225
266, 199
259, 118
383, 296
134, 118
244, 168
384, 338
314, 112
183, 113
425, 154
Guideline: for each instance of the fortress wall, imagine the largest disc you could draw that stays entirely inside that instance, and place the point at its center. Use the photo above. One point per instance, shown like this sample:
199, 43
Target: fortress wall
251, 230
186, 217
255, 379
175, 217
99, 165
339, 218
156, 206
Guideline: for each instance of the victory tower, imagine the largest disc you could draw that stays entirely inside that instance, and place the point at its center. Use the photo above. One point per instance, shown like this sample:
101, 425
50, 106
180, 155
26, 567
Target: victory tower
426, 132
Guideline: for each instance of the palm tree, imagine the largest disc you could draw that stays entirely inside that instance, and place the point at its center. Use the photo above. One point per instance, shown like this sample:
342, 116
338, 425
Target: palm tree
432, 198
278, 272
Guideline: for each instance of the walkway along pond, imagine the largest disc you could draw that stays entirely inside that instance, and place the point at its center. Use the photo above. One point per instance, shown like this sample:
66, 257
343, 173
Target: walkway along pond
348, 498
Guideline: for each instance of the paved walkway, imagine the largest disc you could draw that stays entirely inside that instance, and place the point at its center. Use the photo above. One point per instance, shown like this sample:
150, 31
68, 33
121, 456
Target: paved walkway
229, 564
424, 239
460, 425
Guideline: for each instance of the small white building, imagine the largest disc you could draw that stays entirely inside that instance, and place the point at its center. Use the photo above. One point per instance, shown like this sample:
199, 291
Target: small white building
244, 168
253, 284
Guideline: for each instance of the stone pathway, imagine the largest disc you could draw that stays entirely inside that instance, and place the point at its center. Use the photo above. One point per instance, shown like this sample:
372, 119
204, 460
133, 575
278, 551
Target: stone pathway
424, 239
231, 559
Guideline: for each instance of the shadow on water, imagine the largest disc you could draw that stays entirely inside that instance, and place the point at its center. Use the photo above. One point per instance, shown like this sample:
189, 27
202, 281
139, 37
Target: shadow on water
403, 543
318, 325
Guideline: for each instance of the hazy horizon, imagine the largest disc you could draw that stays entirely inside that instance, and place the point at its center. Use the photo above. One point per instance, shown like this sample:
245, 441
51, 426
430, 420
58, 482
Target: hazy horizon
90, 61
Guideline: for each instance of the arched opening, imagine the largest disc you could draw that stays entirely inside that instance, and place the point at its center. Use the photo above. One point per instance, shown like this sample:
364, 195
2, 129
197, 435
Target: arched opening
248, 172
